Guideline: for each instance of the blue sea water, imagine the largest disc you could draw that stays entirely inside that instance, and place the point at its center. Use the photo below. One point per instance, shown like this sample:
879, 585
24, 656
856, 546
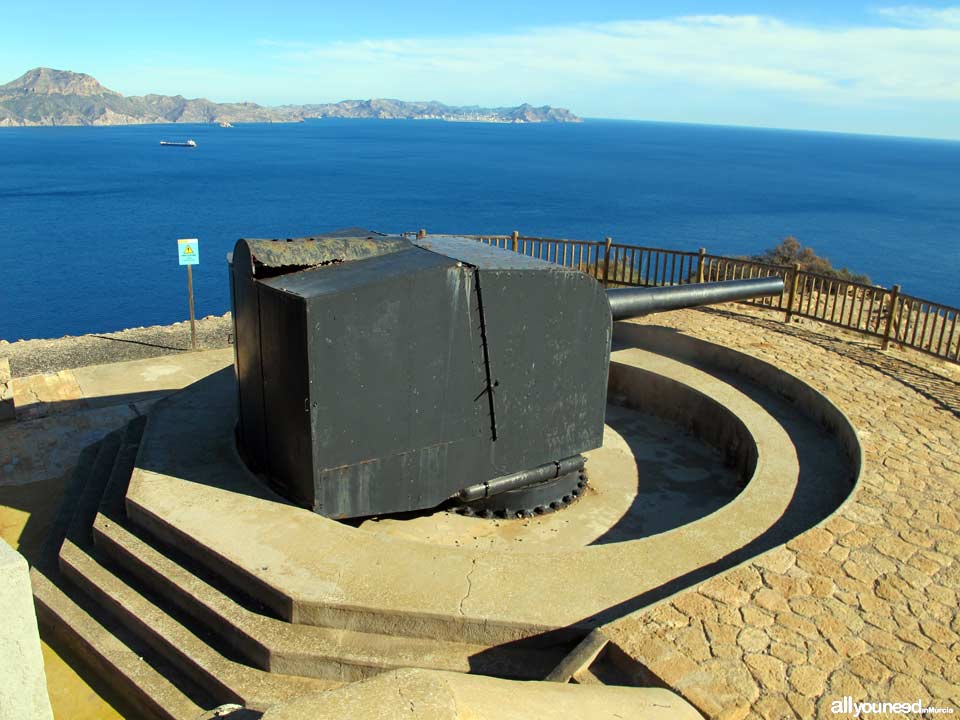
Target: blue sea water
89, 217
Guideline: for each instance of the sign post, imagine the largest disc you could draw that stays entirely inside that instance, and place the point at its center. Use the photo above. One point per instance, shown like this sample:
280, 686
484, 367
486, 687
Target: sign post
189, 252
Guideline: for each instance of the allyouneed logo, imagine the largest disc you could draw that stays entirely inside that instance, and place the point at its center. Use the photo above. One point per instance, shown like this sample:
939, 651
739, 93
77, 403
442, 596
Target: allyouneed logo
847, 706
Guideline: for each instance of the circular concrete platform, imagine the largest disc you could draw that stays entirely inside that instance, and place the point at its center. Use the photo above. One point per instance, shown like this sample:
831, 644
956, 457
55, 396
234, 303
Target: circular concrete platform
649, 476
191, 490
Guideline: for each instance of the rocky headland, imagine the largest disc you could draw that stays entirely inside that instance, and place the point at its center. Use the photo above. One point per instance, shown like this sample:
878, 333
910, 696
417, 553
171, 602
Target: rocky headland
44, 96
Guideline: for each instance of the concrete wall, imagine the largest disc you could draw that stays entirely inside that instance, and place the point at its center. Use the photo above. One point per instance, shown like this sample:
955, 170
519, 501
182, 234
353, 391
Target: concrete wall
23, 683
688, 408
694, 351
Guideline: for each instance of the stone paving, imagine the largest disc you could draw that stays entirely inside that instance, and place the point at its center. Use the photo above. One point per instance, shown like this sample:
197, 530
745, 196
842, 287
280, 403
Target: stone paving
865, 605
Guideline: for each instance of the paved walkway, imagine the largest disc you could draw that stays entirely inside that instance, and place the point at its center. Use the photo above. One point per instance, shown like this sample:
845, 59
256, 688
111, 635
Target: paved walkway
865, 605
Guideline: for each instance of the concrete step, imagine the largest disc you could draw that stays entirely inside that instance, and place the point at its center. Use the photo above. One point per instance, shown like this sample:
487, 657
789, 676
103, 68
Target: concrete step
139, 685
79, 478
87, 503
225, 680
221, 678
158, 667
244, 631
309, 650
244, 628
178, 620
147, 622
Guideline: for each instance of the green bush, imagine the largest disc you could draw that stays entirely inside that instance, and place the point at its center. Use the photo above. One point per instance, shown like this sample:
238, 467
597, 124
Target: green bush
790, 251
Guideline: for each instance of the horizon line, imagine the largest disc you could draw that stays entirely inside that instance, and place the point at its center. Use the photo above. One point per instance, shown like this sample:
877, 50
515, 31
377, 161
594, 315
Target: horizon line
583, 118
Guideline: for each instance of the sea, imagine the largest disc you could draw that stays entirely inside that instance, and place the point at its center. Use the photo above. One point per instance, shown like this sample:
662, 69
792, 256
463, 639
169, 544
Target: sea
90, 216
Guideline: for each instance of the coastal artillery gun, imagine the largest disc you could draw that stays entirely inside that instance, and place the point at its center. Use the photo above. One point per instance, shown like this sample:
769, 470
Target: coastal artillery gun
380, 375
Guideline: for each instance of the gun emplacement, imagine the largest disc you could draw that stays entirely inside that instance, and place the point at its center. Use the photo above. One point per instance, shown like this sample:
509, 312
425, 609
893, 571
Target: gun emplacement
380, 375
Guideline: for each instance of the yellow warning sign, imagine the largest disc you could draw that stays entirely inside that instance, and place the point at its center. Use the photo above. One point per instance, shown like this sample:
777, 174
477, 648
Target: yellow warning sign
189, 251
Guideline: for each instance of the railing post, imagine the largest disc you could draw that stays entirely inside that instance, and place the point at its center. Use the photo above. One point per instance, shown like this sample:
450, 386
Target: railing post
606, 259
515, 237
894, 298
421, 234
794, 281
700, 264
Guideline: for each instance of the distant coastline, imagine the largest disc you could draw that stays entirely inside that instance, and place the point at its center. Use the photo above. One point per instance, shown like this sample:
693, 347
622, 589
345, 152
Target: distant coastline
48, 97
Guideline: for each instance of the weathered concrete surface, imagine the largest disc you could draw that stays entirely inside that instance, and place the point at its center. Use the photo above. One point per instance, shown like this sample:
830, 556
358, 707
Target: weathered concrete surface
132, 383
309, 650
47, 448
27, 512
59, 414
149, 378
865, 604
23, 684
435, 695
181, 647
37, 396
122, 674
190, 488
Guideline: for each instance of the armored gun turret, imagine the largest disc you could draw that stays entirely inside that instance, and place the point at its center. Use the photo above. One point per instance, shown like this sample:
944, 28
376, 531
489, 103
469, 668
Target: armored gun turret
380, 375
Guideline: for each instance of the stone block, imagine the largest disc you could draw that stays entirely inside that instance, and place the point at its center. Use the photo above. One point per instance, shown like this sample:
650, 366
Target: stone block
770, 600
7, 409
724, 592
23, 682
768, 671
753, 640
816, 540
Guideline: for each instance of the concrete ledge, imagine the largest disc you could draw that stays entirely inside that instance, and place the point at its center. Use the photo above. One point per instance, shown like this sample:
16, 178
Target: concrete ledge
813, 404
23, 682
646, 389
434, 695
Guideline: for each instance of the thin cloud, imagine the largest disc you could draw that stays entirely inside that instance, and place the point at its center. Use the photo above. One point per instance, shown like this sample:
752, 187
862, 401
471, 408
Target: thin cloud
917, 16
288, 44
906, 60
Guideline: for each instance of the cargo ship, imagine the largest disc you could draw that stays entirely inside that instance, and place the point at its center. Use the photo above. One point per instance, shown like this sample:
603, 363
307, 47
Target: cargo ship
188, 143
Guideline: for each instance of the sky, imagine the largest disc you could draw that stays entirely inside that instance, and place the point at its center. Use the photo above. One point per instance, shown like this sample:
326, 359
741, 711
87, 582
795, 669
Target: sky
882, 68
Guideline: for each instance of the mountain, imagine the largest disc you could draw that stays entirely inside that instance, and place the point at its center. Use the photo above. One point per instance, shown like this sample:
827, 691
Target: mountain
46, 81
44, 96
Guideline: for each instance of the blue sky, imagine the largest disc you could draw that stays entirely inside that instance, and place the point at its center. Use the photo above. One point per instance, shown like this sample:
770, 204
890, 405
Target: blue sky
881, 68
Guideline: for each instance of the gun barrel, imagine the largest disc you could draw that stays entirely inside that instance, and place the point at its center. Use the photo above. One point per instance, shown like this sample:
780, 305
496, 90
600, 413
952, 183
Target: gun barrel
634, 302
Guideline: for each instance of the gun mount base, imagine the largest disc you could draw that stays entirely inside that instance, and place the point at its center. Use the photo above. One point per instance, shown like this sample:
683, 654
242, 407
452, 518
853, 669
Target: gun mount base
538, 499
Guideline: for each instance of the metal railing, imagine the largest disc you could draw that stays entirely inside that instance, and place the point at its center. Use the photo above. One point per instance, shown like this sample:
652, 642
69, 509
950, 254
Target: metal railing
872, 310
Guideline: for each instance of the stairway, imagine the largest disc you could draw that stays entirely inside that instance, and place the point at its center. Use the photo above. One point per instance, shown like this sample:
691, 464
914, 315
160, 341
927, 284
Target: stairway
172, 641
